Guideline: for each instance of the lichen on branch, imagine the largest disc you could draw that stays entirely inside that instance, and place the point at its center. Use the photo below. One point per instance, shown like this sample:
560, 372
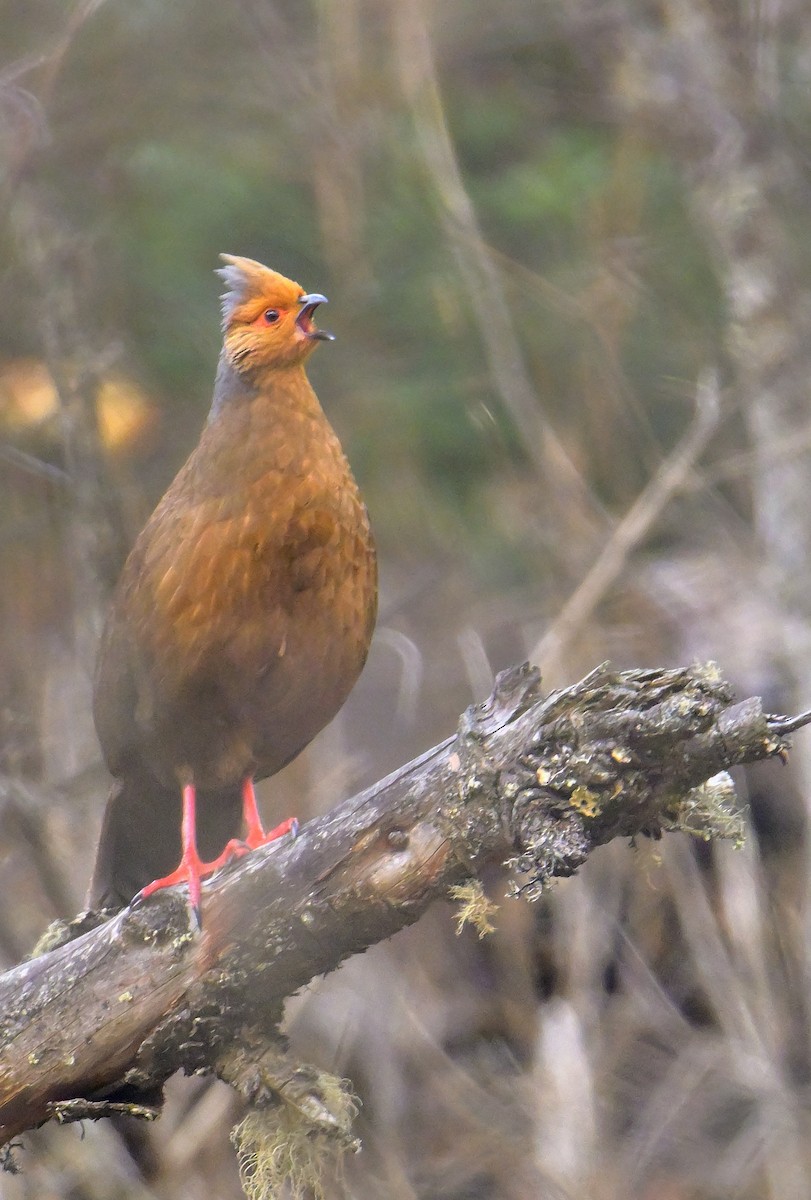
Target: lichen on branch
534, 781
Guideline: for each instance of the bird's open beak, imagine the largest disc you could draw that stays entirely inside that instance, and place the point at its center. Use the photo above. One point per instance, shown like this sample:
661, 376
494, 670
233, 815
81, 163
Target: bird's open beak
304, 320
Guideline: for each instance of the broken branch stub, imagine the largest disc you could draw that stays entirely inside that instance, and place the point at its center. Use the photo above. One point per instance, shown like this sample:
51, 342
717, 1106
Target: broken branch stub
538, 781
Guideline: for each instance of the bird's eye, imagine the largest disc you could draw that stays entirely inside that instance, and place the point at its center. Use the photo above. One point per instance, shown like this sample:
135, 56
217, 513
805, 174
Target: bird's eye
270, 316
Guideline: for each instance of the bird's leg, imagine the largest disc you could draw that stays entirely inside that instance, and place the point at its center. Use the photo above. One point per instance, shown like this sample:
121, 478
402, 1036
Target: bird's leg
191, 867
256, 835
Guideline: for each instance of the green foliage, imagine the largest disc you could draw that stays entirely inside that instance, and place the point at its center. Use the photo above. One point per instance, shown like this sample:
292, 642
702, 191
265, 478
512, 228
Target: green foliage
179, 131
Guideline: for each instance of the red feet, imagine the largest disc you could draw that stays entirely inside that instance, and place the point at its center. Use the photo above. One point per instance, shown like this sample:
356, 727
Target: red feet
256, 835
191, 868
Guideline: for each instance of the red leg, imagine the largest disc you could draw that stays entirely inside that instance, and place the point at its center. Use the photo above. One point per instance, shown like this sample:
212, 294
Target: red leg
191, 868
256, 835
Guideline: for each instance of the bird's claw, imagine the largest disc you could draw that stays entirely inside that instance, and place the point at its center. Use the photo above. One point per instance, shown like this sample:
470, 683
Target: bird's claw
258, 837
192, 870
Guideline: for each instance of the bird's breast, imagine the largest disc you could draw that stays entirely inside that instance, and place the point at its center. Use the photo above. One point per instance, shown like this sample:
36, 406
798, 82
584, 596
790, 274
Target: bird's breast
271, 613
244, 613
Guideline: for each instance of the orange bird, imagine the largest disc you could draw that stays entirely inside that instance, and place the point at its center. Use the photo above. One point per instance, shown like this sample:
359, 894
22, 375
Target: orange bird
244, 611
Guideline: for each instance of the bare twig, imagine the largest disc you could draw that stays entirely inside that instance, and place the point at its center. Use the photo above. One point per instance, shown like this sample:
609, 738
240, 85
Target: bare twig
476, 262
29, 106
672, 476
785, 725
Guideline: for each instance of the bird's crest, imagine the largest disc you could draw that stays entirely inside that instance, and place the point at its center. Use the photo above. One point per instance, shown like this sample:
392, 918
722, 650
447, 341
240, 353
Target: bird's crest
244, 279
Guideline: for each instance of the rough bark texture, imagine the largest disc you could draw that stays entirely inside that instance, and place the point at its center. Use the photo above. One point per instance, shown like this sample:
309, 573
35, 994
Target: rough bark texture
103, 1019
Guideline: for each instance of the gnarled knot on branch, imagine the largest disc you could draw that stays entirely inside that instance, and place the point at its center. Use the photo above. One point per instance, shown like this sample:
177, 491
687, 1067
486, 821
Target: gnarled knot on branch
95, 1025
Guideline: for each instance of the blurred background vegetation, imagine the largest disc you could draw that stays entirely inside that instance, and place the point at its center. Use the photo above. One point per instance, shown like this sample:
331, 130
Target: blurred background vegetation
568, 251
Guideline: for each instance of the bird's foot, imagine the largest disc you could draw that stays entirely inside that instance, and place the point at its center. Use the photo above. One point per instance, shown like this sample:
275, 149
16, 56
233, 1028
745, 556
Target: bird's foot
234, 849
191, 870
257, 837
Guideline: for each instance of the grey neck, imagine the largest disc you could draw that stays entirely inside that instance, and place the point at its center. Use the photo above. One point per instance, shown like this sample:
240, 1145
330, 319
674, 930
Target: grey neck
229, 388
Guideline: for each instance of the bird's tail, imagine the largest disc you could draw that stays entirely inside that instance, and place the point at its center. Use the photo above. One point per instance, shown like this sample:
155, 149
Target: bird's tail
140, 836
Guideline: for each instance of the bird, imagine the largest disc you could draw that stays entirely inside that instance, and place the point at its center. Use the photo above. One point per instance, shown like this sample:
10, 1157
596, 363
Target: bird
243, 614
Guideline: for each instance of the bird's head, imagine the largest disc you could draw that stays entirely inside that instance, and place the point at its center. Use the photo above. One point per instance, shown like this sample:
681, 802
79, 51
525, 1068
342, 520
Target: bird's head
267, 319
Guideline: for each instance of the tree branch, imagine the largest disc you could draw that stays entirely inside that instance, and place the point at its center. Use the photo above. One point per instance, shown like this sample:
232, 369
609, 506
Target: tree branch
538, 782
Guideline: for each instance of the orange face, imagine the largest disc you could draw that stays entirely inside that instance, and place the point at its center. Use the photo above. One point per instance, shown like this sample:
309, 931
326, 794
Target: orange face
267, 319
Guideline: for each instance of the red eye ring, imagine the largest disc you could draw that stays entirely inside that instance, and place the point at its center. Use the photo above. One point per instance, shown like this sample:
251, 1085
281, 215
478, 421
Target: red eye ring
271, 316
